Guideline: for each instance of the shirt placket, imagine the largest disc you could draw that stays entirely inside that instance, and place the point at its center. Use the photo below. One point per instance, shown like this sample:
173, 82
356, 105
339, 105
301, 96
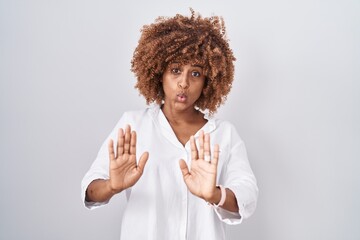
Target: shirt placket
185, 193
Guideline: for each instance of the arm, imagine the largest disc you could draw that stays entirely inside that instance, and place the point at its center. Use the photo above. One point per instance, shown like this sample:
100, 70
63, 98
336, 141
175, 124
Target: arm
124, 171
99, 190
230, 203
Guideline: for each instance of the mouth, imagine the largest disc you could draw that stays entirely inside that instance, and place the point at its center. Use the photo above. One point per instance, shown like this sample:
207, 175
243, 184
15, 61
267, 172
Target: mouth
181, 97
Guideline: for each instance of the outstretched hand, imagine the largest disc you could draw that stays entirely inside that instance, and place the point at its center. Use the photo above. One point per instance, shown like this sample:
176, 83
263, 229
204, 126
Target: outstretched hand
124, 170
201, 179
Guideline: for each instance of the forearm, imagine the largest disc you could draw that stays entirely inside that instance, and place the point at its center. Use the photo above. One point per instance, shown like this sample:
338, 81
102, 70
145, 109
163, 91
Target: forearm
99, 190
230, 203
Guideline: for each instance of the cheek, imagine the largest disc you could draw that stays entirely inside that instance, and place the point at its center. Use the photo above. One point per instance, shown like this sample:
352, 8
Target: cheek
168, 88
201, 86
198, 89
169, 82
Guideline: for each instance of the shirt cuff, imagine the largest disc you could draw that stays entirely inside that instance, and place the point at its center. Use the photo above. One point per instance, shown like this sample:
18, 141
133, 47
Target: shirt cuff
246, 200
231, 218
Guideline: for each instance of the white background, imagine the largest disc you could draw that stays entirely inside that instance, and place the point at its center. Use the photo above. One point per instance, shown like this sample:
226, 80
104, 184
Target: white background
65, 81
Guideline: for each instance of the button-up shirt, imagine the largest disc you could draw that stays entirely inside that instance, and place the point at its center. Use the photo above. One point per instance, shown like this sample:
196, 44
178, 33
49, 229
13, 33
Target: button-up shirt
159, 206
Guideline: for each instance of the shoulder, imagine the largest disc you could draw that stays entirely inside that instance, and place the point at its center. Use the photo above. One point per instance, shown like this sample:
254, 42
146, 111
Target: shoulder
136, 118
222, 125
225, 124
141, 113
226, 130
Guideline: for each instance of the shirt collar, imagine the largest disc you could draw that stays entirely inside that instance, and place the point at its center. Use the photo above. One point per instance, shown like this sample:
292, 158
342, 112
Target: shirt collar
159, 116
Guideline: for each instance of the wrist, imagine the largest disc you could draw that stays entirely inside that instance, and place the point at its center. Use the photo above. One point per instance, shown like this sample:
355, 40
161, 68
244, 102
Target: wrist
219, 196
111, 190
215, 197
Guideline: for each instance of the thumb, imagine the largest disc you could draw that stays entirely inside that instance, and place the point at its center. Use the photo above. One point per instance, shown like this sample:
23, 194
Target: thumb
184, 168
142, 161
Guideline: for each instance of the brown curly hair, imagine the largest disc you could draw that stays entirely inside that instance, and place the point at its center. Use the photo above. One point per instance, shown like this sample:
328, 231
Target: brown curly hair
186, 40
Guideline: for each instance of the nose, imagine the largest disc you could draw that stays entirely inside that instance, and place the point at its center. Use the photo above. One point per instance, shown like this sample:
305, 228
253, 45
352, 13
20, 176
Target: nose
183, 83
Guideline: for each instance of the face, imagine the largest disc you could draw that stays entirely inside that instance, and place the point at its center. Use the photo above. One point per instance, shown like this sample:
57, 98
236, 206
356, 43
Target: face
182, 85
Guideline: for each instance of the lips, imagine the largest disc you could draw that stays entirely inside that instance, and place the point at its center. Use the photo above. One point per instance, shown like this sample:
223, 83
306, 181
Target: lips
181, 97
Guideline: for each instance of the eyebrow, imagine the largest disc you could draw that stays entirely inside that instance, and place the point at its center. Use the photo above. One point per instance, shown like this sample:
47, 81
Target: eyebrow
196, 65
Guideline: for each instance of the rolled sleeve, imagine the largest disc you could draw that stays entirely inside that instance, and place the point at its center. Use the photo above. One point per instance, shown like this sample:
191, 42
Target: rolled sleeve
98, 170
100, 167
238, 176
231, 218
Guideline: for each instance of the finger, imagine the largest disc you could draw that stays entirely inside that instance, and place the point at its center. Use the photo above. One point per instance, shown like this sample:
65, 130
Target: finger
194, 151
120, 143
207, 147
184, 169
111, 150
215, 158
142, 161
133, 143
127, 139
201, 145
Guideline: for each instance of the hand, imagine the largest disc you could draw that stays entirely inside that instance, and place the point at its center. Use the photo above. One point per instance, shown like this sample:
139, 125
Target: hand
201, 179
124, 170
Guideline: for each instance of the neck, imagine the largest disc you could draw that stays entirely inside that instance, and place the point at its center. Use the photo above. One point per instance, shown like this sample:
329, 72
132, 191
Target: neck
183, 116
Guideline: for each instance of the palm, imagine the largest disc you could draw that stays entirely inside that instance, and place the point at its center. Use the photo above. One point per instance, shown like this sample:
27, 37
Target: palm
124, 170
201, 179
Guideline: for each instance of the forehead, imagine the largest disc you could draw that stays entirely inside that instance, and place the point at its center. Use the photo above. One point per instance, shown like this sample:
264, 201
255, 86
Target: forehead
179, 64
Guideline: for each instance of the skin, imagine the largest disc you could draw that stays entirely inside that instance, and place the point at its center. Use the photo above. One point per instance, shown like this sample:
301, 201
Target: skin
182, 86
123, 169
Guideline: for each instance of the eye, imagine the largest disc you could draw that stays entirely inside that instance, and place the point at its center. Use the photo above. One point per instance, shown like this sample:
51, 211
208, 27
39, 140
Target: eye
195, 74
176, 70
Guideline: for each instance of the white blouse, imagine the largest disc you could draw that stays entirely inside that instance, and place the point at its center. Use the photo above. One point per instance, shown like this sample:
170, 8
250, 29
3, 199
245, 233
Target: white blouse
159, 206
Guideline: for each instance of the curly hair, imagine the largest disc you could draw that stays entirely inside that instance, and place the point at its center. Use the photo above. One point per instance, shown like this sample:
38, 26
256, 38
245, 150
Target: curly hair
186, 40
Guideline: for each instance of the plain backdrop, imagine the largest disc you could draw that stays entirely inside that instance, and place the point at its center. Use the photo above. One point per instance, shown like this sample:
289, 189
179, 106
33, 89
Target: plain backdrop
65, 80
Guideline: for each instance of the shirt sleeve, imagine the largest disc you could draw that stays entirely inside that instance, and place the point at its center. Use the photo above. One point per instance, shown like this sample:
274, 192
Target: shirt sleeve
239, 178
100, 167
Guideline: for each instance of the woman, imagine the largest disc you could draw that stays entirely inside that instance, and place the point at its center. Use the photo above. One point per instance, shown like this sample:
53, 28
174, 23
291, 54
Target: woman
192, 176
